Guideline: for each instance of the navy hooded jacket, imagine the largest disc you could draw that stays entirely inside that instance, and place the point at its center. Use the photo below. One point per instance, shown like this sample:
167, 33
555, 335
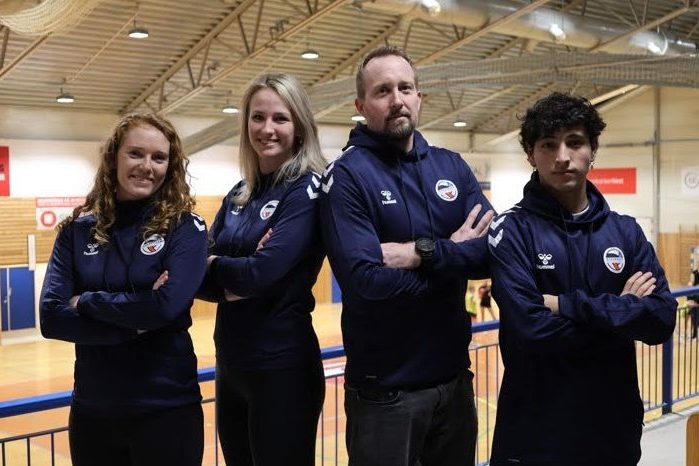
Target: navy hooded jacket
271, 328
570, 391
401, 328
133, 351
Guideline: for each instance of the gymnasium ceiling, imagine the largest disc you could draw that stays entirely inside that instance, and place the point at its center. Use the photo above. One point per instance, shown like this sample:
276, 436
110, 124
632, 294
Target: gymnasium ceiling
479, 61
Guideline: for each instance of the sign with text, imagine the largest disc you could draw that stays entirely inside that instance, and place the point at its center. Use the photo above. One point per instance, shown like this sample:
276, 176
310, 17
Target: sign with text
50, 211
614, 180
4, 171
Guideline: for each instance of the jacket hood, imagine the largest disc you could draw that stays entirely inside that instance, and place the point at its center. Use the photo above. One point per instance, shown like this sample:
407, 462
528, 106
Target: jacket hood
539, 201
362, 136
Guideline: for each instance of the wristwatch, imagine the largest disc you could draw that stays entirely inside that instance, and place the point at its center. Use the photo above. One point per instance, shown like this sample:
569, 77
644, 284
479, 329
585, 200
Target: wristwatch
424, 247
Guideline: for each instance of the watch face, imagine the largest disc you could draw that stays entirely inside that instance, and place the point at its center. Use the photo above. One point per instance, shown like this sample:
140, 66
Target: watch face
424, 245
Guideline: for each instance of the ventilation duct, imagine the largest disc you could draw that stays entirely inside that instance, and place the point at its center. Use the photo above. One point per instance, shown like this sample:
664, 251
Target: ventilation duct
579, 31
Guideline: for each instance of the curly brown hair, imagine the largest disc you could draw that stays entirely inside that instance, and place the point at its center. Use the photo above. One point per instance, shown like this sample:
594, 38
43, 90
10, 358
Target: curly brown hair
169, 202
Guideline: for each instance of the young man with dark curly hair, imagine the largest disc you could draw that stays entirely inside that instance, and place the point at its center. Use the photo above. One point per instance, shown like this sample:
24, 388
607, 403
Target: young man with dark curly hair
576, 284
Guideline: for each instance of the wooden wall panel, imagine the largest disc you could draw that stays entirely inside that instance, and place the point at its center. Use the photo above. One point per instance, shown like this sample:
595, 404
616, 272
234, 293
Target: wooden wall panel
18, 216
669, 257
674, 254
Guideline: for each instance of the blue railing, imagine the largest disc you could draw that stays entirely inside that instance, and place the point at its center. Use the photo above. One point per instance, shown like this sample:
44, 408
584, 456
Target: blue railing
667, 375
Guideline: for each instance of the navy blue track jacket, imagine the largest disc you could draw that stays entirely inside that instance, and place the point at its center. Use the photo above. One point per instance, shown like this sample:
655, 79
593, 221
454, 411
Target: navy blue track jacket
119, 372
401, 328
271, 328
570, 392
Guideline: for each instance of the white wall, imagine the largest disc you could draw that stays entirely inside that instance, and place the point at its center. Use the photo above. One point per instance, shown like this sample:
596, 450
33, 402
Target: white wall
214, 171
51, 168
680, 149
56, 153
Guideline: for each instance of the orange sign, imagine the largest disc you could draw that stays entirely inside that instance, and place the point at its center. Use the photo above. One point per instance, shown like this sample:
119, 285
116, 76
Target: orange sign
614, 180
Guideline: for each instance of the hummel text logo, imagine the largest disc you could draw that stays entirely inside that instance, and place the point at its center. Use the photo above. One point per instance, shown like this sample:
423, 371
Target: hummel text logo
545, 259
387, 197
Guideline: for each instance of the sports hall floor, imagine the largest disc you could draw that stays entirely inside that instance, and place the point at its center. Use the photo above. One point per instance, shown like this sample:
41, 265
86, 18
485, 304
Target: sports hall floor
46, 366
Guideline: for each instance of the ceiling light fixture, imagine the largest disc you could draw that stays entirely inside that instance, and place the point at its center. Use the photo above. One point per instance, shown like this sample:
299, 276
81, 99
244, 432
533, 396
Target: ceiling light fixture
557, 31
357, 117
65, 98
230, 109
459, 124
653, 48
138, 32
657, 43
432, 7
310, 54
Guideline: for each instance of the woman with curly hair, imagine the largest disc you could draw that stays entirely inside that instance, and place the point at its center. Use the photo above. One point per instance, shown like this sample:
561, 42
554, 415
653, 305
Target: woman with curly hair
266, 256
120, 284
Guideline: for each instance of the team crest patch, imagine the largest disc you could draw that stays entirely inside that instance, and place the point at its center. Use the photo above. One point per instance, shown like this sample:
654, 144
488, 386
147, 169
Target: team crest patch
268, 209
446, 190
152, 245
614, 259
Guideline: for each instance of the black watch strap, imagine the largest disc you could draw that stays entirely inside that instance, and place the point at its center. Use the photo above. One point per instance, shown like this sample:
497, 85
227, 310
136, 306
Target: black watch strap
424, 247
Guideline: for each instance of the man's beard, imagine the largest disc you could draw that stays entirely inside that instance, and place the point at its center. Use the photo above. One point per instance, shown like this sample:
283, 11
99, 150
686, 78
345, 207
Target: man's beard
400, 132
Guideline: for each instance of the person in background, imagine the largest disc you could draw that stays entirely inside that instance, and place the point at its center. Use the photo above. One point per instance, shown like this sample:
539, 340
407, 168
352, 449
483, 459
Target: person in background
265, 258
405, 225
120, 284
471, 304
484, 301
576, 284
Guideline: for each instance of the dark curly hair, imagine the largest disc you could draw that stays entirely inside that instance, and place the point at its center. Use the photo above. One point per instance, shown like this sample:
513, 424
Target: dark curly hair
558, 111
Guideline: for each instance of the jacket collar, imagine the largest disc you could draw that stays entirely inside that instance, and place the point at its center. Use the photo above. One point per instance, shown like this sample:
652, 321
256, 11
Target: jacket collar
540, 202
362, 136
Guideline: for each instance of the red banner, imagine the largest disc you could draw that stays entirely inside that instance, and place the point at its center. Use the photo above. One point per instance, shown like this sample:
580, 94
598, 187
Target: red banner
4, 171
614, 180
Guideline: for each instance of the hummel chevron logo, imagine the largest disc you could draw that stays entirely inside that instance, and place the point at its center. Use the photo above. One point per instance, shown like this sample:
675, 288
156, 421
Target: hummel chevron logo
312, 191
328, 184
495, 240
198, 222
496, 223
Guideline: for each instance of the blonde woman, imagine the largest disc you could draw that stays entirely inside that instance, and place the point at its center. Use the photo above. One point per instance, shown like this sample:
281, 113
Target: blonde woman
120, 283
266, 255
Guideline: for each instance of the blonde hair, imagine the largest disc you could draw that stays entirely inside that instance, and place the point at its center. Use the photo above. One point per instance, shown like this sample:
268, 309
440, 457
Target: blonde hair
306, 156
170, 201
